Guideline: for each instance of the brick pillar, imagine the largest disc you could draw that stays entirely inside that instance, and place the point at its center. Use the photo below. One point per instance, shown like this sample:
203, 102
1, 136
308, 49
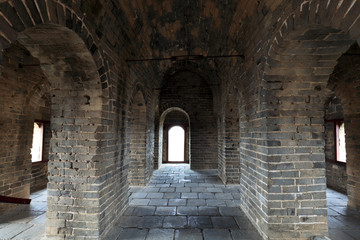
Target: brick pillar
137, 161
232, 138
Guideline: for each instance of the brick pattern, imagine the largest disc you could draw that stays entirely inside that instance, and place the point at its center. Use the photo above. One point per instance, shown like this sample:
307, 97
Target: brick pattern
344, 82
228, 140
289, 50
137, 161
336, 176
191, 93
24, 99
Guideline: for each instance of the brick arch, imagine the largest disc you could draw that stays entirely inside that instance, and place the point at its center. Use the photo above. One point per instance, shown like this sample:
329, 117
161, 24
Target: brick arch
71, 162
344, 83
300, 57
339, 15
188, 90
139, 165
162, 137
202, 69
21, 15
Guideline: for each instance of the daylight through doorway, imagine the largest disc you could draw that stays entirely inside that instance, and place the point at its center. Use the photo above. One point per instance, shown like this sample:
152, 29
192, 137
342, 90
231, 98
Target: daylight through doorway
176, 144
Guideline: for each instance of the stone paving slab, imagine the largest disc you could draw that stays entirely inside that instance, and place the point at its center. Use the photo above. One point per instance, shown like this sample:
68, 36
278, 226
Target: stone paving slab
165, 215
188, 234
12, 230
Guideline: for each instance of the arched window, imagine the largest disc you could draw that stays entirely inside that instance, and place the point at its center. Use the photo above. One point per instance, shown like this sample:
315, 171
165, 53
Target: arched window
176, 145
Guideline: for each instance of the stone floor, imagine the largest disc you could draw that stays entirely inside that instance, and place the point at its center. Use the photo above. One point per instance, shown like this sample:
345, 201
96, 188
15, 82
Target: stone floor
178, 204
344, 223
26, 221
182, 204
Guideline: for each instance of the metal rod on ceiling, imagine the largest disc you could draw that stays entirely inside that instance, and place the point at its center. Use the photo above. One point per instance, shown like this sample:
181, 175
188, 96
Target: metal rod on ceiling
186, 58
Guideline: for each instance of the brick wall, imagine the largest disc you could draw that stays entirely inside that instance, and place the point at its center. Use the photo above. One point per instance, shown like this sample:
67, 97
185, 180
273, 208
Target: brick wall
343, 81
191, 93
137, 161
336, 176
229, 139
24, 99
286, 51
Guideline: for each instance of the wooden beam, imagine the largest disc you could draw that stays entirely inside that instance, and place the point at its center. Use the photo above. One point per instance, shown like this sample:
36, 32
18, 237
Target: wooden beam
15, 200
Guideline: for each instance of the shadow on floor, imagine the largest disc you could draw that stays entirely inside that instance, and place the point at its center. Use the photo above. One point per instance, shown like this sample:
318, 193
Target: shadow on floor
179, 204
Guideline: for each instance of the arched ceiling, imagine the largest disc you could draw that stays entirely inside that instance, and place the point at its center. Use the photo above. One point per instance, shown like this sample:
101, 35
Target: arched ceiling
180, 27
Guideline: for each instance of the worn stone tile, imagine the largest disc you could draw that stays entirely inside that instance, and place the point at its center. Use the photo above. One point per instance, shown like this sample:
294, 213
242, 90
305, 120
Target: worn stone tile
167, 190
183, 189
129, 221
191, 185
150, 189
217, 234
41, 219
189, 195
207, 195
143, 211
236, 196
230, 211
232, 203
224, 196
198, 189
133, 234
196, 202
245, 234
188, 234
177, 202
151, 222
155, 195
199, 222
160, 234
165, 211
128, 211
335, 234
172, 195
139, 195
243, 222
175, 222
224, 222
354, 233
139, 202
215, 203
206, 185
184, 181
208, 211
187, 210
22, 231
162, 185
158, 202
214, 190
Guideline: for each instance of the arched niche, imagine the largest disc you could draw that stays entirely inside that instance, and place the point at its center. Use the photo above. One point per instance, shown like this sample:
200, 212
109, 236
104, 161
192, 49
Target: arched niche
61, 70
137, 174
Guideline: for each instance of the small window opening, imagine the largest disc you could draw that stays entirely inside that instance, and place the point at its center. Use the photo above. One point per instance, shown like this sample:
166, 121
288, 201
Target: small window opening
340, 142
176, 144
37, 143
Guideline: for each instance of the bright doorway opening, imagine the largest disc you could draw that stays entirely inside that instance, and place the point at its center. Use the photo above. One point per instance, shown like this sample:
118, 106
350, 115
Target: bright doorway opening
176, 144
37, 143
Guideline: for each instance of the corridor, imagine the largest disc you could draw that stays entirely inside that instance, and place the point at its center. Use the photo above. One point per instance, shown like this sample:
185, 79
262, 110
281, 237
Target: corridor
180, 203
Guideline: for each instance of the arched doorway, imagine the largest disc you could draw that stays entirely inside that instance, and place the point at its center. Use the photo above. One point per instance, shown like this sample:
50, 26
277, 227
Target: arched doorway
170, 118
176, 145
